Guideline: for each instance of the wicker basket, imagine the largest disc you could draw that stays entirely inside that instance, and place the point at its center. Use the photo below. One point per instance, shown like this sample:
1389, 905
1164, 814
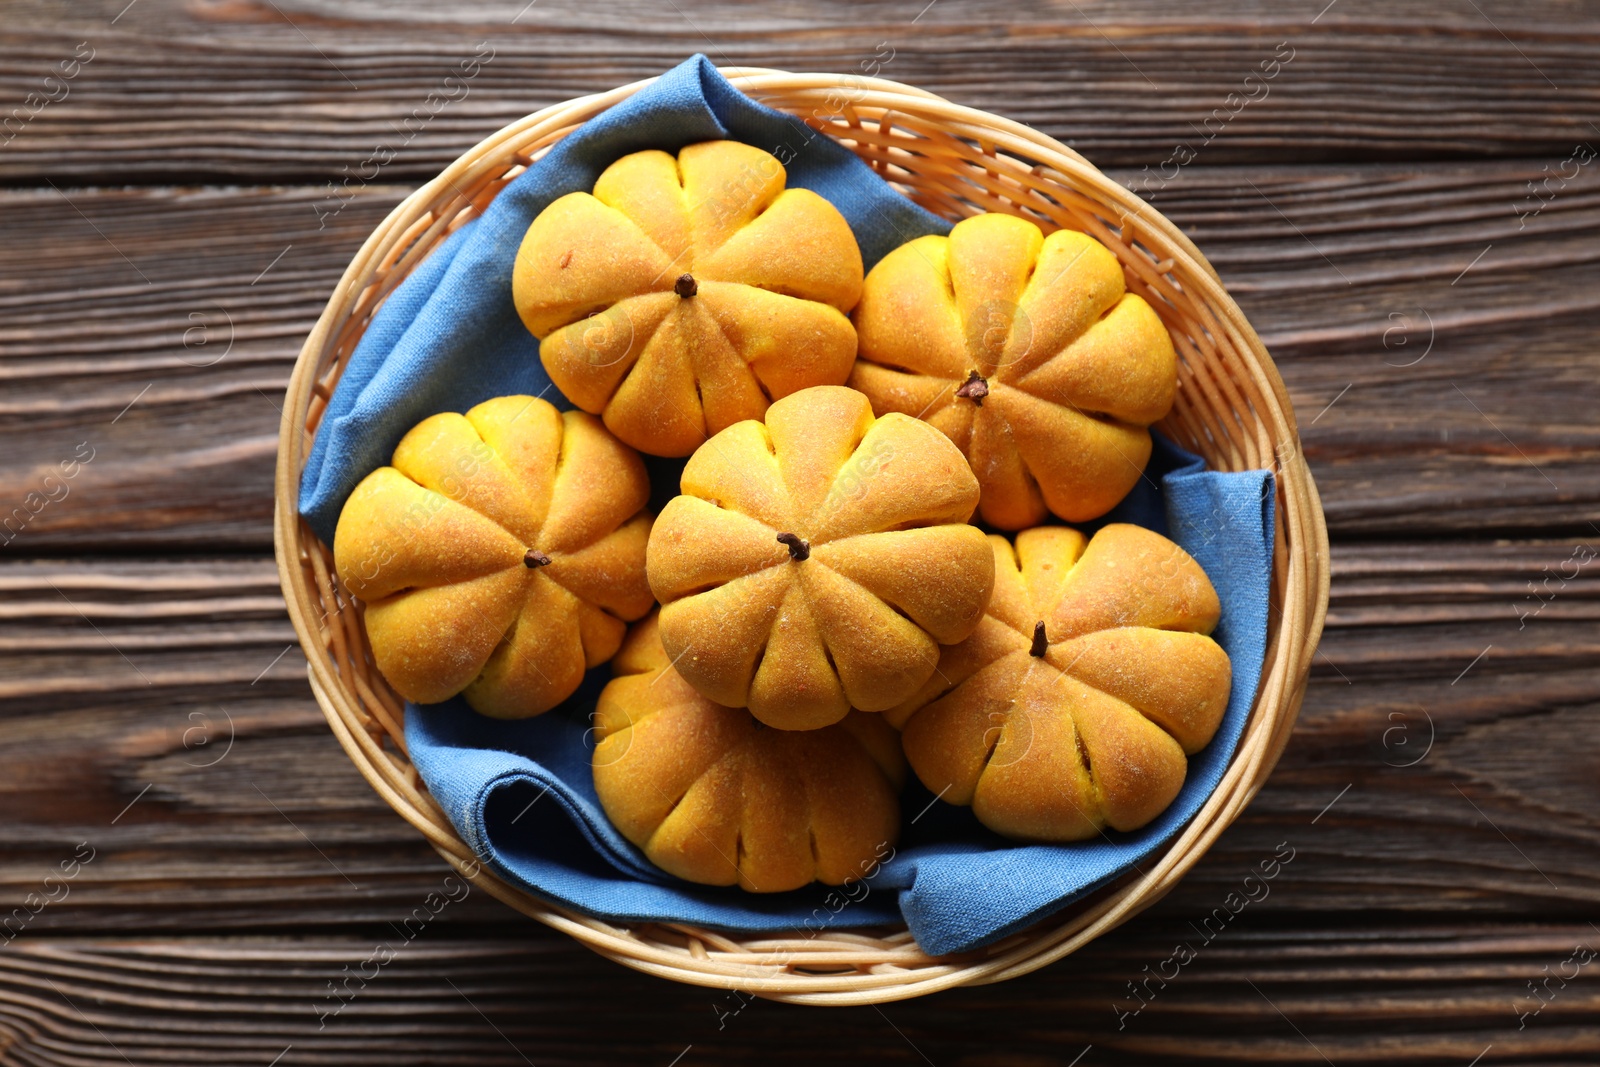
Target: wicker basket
1231, 408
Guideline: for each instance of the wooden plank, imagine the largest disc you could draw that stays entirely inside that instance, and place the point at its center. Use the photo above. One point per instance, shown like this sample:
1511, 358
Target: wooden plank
1423, 320
137, 337
157, 712
182, 92
1435, 343
1369, 992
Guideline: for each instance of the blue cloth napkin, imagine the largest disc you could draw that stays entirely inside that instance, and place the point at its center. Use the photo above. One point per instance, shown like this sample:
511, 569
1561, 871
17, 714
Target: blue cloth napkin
521, 793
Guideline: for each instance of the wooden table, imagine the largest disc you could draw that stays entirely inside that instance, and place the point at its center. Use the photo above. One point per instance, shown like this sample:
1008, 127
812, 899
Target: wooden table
1408, 208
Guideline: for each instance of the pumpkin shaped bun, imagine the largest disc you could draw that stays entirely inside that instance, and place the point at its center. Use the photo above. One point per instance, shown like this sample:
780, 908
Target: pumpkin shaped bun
816, 562
714, 797
1029, 353
500, 555
686, 293
1074, 704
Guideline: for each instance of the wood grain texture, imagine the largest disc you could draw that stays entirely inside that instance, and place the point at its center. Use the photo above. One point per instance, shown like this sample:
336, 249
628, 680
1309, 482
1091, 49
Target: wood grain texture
175, 214
199, 90
1435, 342
1434, 992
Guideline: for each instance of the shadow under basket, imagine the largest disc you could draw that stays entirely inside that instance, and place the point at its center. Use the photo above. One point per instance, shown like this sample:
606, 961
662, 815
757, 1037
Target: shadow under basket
1231, 408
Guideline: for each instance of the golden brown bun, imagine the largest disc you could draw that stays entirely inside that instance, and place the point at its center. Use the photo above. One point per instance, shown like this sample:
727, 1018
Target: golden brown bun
712, 796
1076, 368
893, 569
439, 546
1094, 732
774, 271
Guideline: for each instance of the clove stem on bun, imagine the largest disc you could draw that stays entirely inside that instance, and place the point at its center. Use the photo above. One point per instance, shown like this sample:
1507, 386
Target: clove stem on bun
974, 389
799, 549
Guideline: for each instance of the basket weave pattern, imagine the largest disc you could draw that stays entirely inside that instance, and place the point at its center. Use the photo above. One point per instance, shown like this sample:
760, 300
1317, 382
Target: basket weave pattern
1231, 408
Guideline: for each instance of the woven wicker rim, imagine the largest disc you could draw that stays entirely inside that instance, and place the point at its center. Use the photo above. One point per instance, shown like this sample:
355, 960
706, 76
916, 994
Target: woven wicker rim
1232, 409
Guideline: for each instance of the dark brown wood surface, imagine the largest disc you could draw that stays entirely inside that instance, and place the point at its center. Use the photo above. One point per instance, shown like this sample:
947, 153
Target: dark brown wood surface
195, 861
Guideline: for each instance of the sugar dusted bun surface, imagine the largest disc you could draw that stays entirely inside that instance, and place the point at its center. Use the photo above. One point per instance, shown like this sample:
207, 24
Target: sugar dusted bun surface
1076, 701
815, 562
500, 556
685, 293
712, 796
1029, 353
